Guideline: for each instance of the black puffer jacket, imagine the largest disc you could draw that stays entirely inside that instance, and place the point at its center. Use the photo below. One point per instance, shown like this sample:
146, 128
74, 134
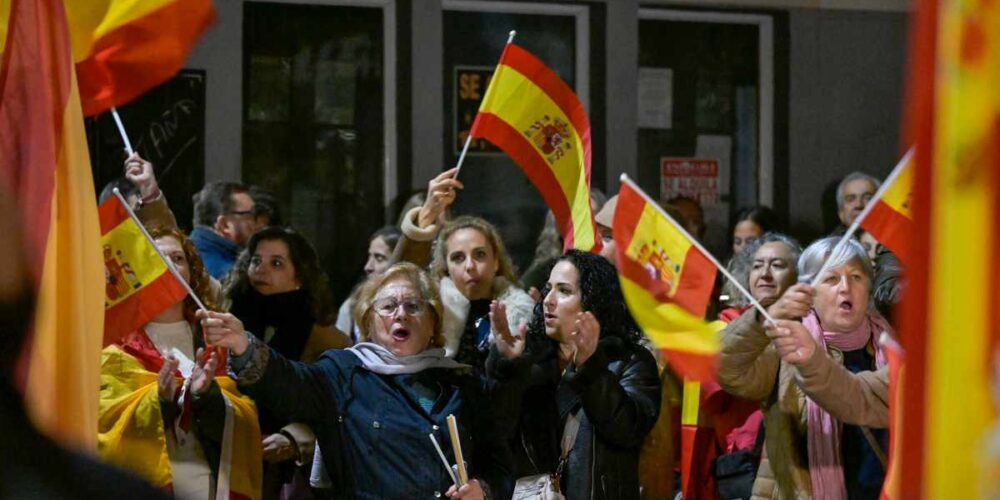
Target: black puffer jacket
618, 391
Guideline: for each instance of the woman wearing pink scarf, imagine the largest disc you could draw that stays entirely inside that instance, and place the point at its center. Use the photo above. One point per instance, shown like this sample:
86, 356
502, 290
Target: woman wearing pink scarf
810, 450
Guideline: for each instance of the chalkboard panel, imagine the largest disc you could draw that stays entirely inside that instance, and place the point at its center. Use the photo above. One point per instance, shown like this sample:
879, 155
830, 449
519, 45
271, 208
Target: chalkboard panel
167, 127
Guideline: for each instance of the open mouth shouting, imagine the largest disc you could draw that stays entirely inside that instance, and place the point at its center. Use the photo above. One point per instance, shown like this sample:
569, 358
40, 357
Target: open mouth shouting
400, 333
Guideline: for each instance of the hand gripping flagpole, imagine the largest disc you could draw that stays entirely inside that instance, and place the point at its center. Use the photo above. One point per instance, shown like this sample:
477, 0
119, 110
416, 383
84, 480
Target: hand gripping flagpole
853, 228
625, 179
468, 140
170, 265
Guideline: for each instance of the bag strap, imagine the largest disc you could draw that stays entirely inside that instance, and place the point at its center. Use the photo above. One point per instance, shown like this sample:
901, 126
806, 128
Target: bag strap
758, 444
570, 432
877, 448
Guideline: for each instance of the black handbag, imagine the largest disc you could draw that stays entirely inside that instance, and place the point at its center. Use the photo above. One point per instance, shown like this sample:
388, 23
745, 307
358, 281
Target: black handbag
735, 472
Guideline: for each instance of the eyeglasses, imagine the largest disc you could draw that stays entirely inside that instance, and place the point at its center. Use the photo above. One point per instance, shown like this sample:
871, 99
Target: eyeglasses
388, 306
241, 213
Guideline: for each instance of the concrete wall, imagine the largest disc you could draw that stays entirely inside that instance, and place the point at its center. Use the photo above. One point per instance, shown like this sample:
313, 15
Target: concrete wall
845, 101
220, 54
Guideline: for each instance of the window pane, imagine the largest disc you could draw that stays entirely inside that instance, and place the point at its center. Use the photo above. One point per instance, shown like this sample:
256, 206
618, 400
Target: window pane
313, 124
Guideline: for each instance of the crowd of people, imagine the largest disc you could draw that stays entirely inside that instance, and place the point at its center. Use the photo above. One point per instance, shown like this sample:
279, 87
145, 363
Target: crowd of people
554, 387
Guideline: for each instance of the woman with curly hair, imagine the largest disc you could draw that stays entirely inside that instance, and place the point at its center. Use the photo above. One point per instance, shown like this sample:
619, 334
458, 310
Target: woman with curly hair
582, 364
165, 398
279, 292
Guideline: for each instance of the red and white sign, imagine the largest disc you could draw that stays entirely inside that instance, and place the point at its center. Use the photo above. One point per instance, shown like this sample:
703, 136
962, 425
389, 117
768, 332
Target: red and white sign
691, 178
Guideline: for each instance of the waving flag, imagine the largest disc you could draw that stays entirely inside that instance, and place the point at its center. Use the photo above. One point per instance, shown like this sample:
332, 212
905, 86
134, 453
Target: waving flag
138, 283
948, 421
537, 120
122, 48
44, 157
890, 220
667, 283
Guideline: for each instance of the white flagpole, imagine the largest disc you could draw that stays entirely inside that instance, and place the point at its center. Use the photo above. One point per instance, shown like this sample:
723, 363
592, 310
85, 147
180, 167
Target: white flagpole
121, 131
625, 179
444, 460
468, 140
853, 228
170, 265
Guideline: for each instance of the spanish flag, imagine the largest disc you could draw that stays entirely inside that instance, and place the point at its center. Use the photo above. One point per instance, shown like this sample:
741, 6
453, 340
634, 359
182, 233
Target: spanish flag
890, 220
950, 312
43, 153
666, 282
138, 283
131, 432
536, 119
123, 48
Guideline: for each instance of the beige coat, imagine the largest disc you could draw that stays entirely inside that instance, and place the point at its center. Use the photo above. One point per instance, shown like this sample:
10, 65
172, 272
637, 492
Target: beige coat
750, 368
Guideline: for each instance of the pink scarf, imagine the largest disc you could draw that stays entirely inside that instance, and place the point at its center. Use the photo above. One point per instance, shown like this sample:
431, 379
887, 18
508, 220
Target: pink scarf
823, 432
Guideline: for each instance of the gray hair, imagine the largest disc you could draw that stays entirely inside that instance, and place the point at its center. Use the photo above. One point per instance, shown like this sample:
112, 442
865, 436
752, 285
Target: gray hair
812, 260
741, 263
851, 177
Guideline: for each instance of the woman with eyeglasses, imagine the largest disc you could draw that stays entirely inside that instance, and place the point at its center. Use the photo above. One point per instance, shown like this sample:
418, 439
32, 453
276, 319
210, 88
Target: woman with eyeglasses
279, 292
473, 269
374, 405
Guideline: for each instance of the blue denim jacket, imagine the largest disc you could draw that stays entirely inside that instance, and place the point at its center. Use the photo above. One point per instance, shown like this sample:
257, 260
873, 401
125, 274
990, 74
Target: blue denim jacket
380, 429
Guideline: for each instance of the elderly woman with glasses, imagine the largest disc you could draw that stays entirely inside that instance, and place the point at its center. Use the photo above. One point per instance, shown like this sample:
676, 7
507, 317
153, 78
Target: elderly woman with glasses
820, 381
374, 405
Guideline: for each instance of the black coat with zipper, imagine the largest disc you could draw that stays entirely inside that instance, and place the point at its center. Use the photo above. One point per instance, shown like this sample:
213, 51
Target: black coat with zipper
618, 391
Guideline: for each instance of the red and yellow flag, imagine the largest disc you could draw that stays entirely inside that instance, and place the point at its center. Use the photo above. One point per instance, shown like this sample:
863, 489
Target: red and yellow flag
537, 120
138, 283
123, 48
43, 154
890, 220
948, 421
131, 431
667, 283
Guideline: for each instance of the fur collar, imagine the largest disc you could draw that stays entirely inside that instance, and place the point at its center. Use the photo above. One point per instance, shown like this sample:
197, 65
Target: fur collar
456, 309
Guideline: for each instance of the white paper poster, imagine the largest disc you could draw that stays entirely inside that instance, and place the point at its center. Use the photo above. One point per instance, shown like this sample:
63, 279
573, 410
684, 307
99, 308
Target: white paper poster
656, 97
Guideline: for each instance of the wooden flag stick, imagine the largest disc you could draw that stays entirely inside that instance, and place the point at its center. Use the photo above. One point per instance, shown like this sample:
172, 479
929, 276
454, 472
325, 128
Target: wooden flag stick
444, 460
456, 446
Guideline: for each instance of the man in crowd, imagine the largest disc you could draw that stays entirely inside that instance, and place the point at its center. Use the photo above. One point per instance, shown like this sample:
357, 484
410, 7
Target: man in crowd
224, 219
853, 193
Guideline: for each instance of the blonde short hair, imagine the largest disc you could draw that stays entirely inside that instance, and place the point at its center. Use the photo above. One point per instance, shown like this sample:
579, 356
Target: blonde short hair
428, 289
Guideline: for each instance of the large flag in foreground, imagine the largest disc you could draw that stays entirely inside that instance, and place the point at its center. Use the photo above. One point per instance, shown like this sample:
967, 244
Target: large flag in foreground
537, 120
950, 310
890, 220
139, 284
667, 283
43, 155
122, 48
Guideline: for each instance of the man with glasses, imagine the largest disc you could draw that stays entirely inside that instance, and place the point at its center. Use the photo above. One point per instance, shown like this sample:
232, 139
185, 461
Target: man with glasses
223, 222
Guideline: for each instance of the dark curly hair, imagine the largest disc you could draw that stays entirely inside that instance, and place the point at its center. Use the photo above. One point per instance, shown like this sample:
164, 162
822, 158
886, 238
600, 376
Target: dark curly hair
600, 294
199, 280
307, 270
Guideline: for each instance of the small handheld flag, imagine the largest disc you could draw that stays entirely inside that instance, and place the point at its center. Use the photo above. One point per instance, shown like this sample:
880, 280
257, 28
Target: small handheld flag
536, 119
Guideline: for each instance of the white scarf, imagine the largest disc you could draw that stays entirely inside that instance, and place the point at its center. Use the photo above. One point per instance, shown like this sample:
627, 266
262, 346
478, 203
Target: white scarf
378, 359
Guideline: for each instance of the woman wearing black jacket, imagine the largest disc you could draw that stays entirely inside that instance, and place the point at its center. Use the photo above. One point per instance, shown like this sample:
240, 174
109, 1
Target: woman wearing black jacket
583, 358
